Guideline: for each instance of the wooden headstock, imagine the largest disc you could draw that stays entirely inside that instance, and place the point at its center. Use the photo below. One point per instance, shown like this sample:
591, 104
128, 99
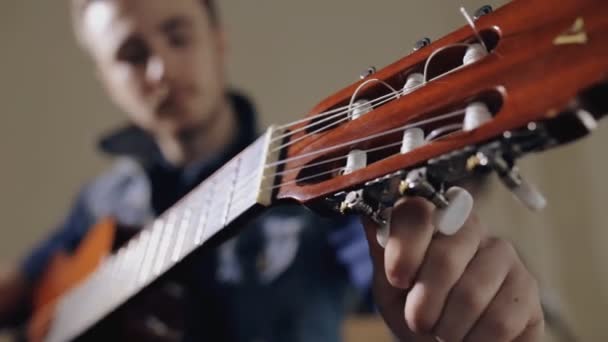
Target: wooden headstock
543, 81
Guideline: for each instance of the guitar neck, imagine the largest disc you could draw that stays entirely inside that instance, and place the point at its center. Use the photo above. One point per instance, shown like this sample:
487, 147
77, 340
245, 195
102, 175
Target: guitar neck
240, 187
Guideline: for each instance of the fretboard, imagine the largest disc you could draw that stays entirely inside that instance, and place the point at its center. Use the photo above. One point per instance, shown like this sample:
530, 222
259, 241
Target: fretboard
243, 183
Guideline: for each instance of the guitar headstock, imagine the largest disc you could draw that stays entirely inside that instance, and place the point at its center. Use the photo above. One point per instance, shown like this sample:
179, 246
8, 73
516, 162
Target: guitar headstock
524, 79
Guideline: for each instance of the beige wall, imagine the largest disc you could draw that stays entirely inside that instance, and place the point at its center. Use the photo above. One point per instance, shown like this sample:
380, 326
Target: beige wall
288, 55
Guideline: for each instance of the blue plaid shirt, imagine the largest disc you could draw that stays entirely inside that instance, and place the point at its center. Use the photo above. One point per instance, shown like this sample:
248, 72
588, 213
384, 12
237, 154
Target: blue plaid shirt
284, 278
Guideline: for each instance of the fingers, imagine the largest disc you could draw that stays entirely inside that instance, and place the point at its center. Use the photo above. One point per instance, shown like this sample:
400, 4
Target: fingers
410, 235
463, 287
534, 332
475, 289
514, 307
414, 215
445, 262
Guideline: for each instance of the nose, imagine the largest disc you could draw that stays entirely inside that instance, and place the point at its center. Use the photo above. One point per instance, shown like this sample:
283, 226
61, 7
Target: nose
156, 69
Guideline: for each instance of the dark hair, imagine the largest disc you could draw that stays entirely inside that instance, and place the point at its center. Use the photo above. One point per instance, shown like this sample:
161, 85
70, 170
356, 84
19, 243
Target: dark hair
78, 7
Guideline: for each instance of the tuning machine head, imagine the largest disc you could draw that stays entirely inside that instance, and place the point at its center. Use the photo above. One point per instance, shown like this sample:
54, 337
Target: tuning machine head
421, 43
481, 11
367, 72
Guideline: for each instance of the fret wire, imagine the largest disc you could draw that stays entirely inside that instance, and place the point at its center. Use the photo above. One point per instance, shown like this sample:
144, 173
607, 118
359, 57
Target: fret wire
140, 247
148, 253
220, 204
185, 221
237, 169
164, 244
217, 215
157, 230
196, 205
174, 237
203, 223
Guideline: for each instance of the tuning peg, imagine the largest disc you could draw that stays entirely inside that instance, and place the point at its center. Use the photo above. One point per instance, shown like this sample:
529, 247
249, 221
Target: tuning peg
476, 114
529, 195
384, 228
452, 207
368, 72
412, 139
449, 219
353, 201
414, 80
355, 160
474, 53
449, 216
483, 10
360, 108
526, 193
422, 43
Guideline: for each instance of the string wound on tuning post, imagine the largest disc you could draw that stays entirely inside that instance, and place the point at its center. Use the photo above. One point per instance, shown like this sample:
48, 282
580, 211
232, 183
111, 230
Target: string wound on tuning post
471, 23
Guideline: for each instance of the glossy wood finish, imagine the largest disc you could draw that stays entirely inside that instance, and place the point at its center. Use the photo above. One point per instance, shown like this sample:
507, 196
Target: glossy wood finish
536, 77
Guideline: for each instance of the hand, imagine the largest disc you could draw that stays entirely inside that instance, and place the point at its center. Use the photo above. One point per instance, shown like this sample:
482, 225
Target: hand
464, 287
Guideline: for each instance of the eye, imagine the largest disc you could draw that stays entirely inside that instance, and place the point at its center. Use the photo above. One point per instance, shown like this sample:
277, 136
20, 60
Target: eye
178, 32
134, 52
178, 38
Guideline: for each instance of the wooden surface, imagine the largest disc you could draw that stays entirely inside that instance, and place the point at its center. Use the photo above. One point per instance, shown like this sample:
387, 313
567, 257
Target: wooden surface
535, 77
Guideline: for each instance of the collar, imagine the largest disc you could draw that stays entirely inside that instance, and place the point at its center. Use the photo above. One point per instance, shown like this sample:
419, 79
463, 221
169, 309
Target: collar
131, 141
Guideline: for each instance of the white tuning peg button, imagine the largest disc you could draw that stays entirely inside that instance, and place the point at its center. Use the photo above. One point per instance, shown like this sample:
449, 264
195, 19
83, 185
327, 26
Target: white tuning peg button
412, 139
450, 219
384, 230
447, 221
529, 195
476, 114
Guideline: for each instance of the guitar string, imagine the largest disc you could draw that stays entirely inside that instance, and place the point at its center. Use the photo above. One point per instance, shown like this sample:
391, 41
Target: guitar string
435, 53
344, 110
252, 176
375, 149
116, 262
239, 192
349, 109
433, 134
116, 259
111, 260
345, 118
363, 139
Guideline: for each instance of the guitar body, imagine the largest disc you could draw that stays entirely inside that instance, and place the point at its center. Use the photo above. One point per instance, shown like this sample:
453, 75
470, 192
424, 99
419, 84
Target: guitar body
66, 271
154, 315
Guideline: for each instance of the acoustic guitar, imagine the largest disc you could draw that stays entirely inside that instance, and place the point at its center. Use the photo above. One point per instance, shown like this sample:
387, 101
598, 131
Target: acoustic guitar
519, 80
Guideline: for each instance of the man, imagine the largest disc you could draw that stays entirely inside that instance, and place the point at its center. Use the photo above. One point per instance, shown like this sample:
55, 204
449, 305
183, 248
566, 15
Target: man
162, 62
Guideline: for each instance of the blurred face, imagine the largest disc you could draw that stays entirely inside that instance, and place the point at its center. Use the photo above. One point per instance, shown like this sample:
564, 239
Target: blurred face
161, 61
